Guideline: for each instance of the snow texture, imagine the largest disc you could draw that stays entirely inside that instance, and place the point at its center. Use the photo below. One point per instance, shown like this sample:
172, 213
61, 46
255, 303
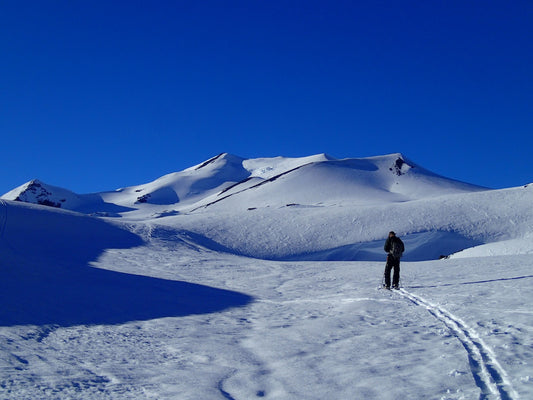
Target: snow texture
260, 278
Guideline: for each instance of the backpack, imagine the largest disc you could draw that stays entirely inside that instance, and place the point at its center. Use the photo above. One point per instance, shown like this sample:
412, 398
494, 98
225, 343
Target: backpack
396, 249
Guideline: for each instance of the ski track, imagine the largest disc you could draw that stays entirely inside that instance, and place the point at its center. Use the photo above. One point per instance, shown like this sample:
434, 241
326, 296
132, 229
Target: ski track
488, 374
223, 392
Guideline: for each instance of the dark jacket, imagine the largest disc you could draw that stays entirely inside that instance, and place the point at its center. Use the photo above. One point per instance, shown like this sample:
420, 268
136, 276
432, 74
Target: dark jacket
388, 244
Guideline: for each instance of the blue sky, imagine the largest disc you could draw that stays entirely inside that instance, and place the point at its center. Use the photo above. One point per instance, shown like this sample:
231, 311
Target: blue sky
105, 94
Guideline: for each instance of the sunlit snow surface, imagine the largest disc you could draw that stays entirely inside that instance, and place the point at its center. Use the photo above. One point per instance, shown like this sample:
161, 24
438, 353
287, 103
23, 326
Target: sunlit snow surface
165, 301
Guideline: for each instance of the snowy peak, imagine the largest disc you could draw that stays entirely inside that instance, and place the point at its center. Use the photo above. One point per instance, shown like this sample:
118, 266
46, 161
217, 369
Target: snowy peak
325, 180
187, 186
37, 192
223, 160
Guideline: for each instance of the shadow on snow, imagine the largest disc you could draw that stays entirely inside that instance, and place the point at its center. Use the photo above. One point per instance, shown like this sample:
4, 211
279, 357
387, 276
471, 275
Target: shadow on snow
45, 276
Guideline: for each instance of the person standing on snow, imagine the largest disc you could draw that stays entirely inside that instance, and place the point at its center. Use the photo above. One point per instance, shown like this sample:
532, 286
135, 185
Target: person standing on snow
395, 248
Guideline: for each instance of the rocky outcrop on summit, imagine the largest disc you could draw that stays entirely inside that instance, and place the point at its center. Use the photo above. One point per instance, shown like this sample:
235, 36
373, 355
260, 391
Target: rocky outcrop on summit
39, 193
400, 166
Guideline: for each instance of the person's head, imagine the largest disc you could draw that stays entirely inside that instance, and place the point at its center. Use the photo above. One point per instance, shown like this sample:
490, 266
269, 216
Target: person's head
391, 234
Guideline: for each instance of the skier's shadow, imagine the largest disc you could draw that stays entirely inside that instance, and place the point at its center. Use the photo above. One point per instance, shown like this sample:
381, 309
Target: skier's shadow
45, 276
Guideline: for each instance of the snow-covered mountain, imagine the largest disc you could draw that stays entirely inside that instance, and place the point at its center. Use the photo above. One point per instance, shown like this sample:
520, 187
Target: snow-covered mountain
215, 283
309, 208
238, 183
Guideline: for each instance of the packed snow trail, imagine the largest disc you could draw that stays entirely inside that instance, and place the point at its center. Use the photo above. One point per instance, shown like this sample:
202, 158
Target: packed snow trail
488, 374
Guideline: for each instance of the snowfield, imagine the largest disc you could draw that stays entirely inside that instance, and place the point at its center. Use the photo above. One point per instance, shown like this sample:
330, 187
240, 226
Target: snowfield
243, 279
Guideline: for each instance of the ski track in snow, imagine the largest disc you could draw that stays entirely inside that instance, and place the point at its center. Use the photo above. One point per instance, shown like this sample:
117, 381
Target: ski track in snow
488, 374
223, 392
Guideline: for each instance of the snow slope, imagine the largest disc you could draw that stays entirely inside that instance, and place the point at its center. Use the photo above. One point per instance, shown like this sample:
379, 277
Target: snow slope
297, 199
242, 279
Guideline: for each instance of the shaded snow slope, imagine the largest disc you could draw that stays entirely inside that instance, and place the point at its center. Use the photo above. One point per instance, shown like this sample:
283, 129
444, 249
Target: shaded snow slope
46, 276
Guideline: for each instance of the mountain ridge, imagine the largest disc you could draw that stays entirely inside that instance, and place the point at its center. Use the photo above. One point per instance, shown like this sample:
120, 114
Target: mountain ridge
224, 174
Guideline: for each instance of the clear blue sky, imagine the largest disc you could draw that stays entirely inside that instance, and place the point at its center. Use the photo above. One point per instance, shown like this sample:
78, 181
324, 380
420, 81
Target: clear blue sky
97, 95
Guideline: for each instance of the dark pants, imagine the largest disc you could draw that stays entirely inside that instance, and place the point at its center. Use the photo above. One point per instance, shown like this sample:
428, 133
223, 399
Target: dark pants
392, 262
